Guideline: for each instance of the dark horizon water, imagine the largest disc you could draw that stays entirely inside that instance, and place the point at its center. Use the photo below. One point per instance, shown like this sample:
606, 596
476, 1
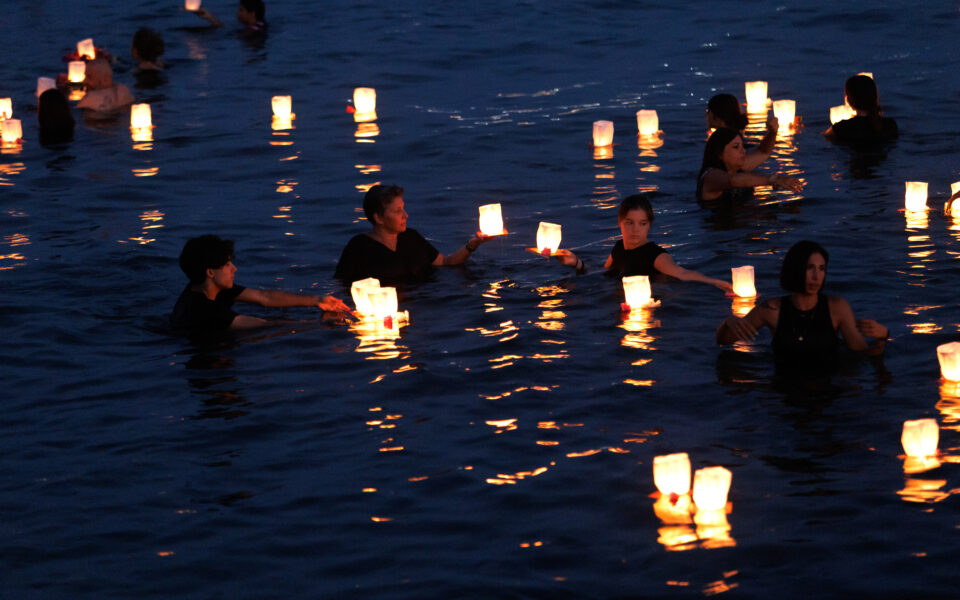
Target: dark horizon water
502, 446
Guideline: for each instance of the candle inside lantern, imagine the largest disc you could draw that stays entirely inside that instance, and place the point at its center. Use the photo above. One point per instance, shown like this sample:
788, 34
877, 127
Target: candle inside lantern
359, 290
140, 116
6, 108
491, 220
920, 437
710, 488
949, 356
671, 473
916, 195
10, 131
636, 291
192, 5
602, 133
786, 112
743, 281
647, 122
282, 106
548, 237
85, 49
76, 71
756, 92
44, 84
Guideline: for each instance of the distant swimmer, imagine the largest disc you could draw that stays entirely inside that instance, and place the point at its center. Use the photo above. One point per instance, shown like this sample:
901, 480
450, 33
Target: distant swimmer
869, 128
250, 13
725, 173
392, 252
634, 254
205, 305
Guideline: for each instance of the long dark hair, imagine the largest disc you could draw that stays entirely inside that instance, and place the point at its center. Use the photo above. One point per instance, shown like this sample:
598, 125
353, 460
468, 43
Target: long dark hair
726, 107
862, 95
794, 269
713, 151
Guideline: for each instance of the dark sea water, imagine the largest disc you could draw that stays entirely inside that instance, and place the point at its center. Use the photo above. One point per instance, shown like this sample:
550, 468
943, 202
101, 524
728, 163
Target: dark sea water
502, 445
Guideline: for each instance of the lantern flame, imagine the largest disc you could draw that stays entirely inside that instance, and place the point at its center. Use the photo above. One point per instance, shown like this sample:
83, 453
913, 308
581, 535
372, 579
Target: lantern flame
920, 437
11, 132
756, 92
76, 71
786, 112
491, 220
192, 5
710, 488
636, 291
841, 113
44, 84
647, 122
671, 473
916, 195
6, 108
743, 285
949, 357
85, 49
602, 133
548, 237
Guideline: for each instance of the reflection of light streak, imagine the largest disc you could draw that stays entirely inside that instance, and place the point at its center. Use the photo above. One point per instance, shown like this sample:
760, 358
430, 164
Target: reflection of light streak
507, 329
378, 341
924, 490
536, 388
916, 219
145, 172
602, 152
637, 323
742, 306
366, 131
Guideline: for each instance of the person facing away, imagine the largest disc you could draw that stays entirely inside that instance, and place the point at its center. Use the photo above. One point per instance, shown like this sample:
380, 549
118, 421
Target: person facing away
805, 322
205, 305
54, 118
250, 13
146, 48
392, 252
723, 110
868, 128
634, 254
725, 174
103, 96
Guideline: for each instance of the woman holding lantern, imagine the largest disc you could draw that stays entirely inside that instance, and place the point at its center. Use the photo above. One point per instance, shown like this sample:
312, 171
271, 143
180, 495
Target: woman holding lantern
634, 254
392, 252
726, 175
868, 127
805, 323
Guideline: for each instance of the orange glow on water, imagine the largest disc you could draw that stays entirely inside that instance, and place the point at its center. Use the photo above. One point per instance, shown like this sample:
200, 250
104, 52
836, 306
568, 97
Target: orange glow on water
638, 325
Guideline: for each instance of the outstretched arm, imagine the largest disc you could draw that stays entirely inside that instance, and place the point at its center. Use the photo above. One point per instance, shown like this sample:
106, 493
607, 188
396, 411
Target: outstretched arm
735, 328
462, 254
756, 156
853, 330
280, 299
715, 182
664, 263
569, 259
207, 16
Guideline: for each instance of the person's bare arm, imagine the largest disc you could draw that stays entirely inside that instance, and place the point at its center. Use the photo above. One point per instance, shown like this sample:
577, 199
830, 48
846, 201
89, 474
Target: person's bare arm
756, 156
735, 328
665, 264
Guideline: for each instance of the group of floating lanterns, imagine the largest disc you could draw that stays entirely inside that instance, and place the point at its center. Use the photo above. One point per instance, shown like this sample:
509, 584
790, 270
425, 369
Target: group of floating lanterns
678, 509
378, 305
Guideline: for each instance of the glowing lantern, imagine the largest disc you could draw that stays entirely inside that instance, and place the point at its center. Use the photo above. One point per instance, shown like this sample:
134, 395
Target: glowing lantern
841, 113
44, 84
916, 195
383, 302
675, 510
710, 488
870, 75
76, 71
756, 92
365, 100
671, 473
602, 133
920, 437
360, 290
952, 208
85, 49
954, 187
786, 112
281, 107
636, 290
647, 122
491, 221
743, 281
949, 355
6, 108
140, 116
10, 131
192, 5
548, 237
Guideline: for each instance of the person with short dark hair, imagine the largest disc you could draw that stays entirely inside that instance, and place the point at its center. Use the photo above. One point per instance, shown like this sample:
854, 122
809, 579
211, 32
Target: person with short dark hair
805, 323
205, 305
146, 48
723, 110
868, 128
391, 251
54, 118
634, 254
724, 173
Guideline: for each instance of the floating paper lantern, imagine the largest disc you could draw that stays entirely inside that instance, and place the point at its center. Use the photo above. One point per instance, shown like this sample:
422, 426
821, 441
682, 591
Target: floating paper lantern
548, 237
85, 49
140, 116
281, 107
647, 122
491, 221
743, 281
383, 302
841, 113
602, 133
756, 92
192, 5
954, 187
710, 488
671, 473
949, 356
44, 84
76, 71
11, 132
359, 290
786, 112
365, 99
6, 108
870, 75
920, 437
916, 195
636, 290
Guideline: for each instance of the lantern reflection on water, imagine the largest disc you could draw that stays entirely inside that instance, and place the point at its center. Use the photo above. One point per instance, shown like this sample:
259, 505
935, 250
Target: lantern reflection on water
548, 237
713, 528
674, 510
671, 473
647, 122
841, 113
85, 49
636, 291
915, 197
710, 488
786, 113
602, 133
44, 84
949, 357
491, 220
920, 437
11, 132
76, 71
743, 285
756, 93
6, 108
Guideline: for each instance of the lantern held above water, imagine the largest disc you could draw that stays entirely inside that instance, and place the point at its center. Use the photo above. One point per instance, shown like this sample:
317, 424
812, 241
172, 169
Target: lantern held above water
786, 112
710, 488
192, 5
647, 122
743, 285
282, 106
671, 473
44, 84
11, 131
76, 71
841, 113
916, 195
602, 133
85, 49
756, 92
636, 291
920, 437
548, 237
6, 108
949, 356
491, 220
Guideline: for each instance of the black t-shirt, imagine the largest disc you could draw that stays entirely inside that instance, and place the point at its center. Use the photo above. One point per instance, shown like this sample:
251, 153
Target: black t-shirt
638, 261
195, 313
860, 131
364, 257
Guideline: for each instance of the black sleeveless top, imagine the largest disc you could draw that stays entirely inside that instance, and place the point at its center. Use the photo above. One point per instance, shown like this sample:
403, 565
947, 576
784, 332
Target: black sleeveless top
805, 339
726, 196
637, 261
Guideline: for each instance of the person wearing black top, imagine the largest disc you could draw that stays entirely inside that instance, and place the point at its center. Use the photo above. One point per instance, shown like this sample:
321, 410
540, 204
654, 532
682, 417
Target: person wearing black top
205, 305
633, 254
392, 252
805, 323
723, 110
725, 173
869, 128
